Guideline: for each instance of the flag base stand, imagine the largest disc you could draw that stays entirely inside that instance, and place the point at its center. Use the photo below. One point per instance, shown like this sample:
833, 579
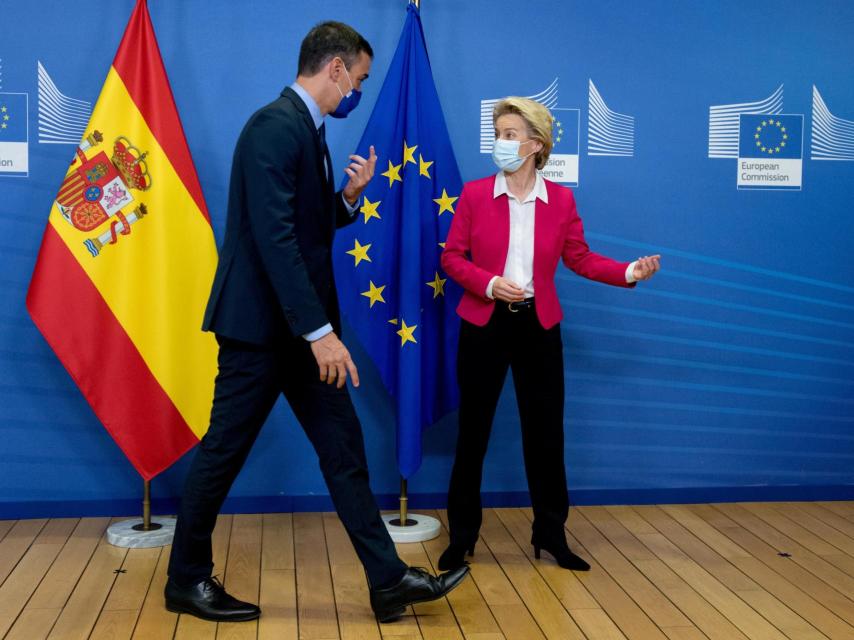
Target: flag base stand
410, 527
418, 528
130, 534
142, 534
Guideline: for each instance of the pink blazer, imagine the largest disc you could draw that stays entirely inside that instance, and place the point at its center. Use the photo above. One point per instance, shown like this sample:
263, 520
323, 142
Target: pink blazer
477, 244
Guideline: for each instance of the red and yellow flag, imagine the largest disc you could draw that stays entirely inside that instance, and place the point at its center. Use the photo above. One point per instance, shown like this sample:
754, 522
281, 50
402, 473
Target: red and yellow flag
126, 265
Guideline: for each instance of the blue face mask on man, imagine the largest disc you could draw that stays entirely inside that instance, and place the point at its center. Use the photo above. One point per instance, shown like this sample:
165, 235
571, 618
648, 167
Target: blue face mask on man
349, 101
505, 154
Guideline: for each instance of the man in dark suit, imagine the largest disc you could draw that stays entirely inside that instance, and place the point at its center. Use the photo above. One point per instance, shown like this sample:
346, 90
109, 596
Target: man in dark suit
274, 310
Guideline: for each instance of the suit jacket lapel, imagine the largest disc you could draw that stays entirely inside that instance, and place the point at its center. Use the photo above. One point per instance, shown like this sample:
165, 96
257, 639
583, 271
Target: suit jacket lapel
328, 188
320, 152
328, 160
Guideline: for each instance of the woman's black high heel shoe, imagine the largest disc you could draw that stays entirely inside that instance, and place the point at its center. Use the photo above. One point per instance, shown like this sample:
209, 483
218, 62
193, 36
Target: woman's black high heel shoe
559, 549
454, 556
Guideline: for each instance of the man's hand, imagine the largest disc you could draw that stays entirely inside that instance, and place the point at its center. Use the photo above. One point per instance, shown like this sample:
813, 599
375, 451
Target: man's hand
334, 360
507, 290
361, 171
646, 267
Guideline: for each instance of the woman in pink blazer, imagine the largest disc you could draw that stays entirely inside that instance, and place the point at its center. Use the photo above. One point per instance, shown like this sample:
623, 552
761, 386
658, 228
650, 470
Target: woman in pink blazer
508, 234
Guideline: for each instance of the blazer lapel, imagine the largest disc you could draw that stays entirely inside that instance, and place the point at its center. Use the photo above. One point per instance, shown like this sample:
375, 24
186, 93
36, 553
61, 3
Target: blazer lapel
328, 188
319, 155
545, 232
500, 221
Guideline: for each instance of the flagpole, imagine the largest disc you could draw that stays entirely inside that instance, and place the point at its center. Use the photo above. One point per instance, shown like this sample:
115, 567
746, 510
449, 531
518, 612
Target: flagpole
146, 525
404, 520
404, 499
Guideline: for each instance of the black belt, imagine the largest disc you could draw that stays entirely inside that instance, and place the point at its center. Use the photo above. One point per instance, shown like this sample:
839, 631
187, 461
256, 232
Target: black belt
522, 305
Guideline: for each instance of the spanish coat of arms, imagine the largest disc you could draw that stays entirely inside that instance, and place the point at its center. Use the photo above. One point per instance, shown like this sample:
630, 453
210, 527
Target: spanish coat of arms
97, 189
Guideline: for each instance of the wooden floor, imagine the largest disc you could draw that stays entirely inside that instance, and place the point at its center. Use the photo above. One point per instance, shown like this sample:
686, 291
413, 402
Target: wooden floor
722, 572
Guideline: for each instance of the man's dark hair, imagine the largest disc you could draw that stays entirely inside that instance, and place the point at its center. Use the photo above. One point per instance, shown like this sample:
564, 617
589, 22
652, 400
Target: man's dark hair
328, 40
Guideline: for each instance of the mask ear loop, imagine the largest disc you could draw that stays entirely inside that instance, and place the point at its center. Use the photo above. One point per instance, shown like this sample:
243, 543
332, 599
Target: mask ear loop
532, 152
349, 79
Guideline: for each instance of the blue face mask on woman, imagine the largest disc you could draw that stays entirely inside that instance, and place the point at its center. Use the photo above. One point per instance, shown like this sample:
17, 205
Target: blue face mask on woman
349, 101
505, 154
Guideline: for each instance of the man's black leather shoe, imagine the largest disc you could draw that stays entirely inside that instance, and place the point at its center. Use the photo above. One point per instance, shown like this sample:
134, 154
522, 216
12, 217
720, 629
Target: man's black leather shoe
208, 600
416, 586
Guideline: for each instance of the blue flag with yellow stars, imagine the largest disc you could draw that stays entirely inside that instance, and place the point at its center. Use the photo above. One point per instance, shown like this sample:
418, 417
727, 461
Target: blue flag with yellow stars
392, 290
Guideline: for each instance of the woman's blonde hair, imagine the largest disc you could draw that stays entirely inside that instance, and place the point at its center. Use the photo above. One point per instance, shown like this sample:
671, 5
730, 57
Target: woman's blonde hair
538, 119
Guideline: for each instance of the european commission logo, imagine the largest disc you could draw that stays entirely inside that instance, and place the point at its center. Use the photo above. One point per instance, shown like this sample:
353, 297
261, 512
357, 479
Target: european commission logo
770, 151
767, 143
14, 135
608, 133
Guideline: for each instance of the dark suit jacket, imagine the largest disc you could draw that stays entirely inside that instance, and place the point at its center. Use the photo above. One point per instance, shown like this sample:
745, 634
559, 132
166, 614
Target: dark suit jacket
274, 279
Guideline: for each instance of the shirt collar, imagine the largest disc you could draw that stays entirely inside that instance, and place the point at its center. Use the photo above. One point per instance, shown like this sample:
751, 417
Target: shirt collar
539, 190
313, 109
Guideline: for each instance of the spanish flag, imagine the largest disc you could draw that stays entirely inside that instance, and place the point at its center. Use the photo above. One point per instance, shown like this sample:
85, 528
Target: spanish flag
126, 264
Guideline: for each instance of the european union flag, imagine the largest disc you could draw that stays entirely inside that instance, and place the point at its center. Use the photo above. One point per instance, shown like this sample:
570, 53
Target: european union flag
390, 283
770, 136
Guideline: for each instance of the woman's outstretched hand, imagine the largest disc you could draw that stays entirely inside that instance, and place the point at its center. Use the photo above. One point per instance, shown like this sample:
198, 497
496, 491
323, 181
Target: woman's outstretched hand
646, 267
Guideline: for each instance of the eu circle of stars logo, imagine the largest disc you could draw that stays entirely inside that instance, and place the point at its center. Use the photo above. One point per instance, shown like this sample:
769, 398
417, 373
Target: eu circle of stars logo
771, 136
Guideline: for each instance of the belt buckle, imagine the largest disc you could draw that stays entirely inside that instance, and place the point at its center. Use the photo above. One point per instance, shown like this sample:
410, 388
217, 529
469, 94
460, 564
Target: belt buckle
518, 305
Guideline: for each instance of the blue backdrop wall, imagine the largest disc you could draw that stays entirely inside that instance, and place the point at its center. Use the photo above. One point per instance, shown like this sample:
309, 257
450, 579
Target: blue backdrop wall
729, 376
